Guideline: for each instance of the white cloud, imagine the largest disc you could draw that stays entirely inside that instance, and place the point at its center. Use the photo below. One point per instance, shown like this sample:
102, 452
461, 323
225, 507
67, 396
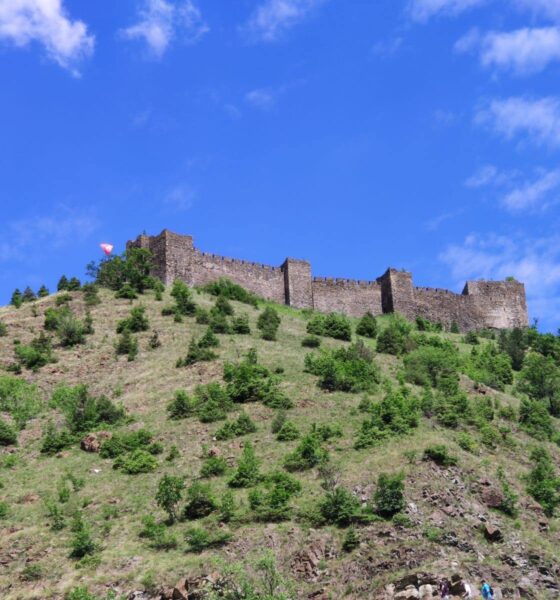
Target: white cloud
523, 51
533, 194
263, 99
46, 22
547, 8
537, 120
490, 175
389, 47
39, 234
161, 22
534, 261
180, 198
423, 10
273, 17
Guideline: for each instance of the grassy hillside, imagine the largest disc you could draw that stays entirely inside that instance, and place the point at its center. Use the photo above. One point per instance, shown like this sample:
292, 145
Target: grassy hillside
75, 502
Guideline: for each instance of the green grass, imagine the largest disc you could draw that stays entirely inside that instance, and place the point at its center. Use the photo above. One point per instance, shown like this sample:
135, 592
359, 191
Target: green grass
145, 387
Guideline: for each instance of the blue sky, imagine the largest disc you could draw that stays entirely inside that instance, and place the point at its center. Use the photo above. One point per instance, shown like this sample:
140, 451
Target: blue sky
421, 134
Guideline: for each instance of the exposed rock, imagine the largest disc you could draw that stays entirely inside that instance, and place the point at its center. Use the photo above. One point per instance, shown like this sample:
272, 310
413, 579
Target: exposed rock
92, 442
409, 593
180, 591
525, 588
492, 497
492, 533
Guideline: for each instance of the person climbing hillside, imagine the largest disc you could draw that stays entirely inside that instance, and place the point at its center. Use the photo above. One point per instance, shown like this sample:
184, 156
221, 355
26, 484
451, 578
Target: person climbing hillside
487, 591
444, 588
467, 590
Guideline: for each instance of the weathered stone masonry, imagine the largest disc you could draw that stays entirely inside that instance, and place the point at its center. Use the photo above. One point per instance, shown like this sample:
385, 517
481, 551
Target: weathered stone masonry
492, 304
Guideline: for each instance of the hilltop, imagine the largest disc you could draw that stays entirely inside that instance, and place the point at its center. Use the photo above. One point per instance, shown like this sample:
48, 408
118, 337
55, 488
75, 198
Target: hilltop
405, 455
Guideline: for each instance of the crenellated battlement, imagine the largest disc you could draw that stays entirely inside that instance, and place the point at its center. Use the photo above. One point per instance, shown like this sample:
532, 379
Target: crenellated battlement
482, 304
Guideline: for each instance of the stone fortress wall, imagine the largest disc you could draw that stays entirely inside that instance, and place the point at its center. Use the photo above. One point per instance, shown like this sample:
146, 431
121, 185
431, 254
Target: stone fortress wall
483, 304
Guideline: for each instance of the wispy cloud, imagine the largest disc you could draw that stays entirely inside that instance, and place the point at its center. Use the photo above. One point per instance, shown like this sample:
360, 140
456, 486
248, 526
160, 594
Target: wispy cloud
389, 47
263, 99
547, 8
272, 18
180, 198
423, 10
534, 261
523, 51
490, 175
535, 120
436, 222
534, 194
39, 234
161, 22
66, 41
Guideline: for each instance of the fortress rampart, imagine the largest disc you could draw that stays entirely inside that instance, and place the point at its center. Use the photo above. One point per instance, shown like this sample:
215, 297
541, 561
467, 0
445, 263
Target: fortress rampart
483, 304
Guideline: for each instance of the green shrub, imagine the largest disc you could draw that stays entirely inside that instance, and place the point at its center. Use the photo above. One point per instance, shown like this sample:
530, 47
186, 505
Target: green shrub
63, 299
200, 501
91, 294
126, 292
248, 381
397, 414
423, 324
62, 285
212, 402
154, 342
454, 328
351, 540
124, 442
130, 269
240, 325
389, 494
198, 351
535, 419
32, 572
278, 421
74, 284
53, 315
439, 454
268, 323
227, 507
127, 344
243, 425
8, 435
339, 507
16, 299
223, 306
471, 338
542, 482
311, 341
82, 543
232, 291
489, 366
4, 510
540, 380
346, 369
135, 462
270, 502
79, 593
309, 453
182, 406
169, 494
331, 325
70, 330
83, 411
136, 322
467, 442
515, 344
37, 354
3, 329
247, 471
20, 399
202, 316
157, 534
209, 340
219, 323
199, 539
428, 366
508, 504
213, 466
182, 295
367, 326
54, 441
288, 432
395, 338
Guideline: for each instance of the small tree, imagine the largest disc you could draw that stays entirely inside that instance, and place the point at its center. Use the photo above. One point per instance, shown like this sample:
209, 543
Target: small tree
62, 285
28, 295
8, 435
268, 323
183, 298
247, 472
169, 494
17, 299
389, 495
367, 326
43, 292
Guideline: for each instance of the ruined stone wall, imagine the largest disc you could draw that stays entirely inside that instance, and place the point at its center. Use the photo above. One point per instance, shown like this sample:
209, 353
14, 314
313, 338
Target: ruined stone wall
347, 296
482, 304
265, 281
